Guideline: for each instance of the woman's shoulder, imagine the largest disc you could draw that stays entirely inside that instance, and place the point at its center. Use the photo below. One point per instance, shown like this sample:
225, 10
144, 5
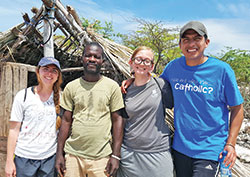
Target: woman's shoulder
159, 81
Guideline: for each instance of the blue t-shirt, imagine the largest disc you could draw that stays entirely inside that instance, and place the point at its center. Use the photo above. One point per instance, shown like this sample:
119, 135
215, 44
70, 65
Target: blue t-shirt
201, 96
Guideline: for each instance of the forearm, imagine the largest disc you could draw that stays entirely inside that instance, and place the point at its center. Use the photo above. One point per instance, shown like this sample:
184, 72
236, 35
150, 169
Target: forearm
117, 135
64, 131
236, 119
12, 139
62, 136
11, 144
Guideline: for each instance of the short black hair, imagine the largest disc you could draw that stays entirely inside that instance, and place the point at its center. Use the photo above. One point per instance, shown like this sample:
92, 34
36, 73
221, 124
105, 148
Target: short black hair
93, 44
205, 36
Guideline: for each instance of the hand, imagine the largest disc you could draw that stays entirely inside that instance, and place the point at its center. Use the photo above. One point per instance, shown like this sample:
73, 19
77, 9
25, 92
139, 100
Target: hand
126, 84
58, 122
112, 166
60, 165
231, 156
10, 169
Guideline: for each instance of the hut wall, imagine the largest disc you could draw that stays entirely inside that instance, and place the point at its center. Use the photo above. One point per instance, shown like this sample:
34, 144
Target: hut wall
13, 77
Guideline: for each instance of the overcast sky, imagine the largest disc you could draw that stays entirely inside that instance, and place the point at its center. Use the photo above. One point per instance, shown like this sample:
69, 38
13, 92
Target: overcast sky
227, 21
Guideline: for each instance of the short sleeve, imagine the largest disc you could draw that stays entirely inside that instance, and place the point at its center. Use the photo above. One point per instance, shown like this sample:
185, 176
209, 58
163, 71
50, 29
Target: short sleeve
116, 101
66, 101
17, 111
232, 92
168, 99
166, 91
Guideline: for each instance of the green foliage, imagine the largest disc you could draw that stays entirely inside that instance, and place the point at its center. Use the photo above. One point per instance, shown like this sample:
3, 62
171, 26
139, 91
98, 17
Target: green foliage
168, 55
106, 29
163, 40
60, 40
239, 60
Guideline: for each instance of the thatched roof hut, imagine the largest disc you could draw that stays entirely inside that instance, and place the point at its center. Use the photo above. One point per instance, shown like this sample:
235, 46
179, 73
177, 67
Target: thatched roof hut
24, 43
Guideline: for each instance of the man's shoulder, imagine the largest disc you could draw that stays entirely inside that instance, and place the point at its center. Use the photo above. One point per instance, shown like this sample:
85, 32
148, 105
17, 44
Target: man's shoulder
73, 82
216, 60
176, 60
219, 63
109, 80
175, 63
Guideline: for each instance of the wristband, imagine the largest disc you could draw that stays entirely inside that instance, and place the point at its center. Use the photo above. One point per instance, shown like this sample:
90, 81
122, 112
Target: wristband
229, 144
115, 157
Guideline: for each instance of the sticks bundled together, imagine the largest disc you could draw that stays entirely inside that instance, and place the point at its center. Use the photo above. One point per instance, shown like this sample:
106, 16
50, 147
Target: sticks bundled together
68, 47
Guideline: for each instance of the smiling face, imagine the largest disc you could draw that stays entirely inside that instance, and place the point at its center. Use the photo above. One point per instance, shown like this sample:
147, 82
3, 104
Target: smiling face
193, 45
142, 62
92, 59
48, 74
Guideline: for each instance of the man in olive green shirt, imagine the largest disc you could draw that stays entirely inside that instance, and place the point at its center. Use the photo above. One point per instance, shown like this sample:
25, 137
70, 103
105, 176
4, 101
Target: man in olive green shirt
91, 105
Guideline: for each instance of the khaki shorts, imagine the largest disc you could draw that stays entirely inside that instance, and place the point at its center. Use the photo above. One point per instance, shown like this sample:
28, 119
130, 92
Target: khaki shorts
80, 167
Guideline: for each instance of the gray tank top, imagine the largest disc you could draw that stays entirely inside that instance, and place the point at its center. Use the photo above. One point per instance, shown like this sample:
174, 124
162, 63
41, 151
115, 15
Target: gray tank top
145, 128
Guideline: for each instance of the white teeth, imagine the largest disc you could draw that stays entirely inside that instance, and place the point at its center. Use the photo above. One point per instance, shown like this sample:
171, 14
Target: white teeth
49, 78
140, 68
191, 50
92, 64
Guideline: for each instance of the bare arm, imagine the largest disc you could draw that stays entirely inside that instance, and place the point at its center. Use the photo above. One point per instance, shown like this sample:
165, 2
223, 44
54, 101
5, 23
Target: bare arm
10, 168
62, 136
117, 129
126, 84
236, 118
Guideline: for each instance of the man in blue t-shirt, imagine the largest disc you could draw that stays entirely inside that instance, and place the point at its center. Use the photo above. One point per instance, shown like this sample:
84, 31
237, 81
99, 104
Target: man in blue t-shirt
203, 89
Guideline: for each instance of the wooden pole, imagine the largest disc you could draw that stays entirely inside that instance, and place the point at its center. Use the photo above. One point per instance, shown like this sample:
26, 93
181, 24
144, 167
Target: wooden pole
48, 34
82, 33
72, 11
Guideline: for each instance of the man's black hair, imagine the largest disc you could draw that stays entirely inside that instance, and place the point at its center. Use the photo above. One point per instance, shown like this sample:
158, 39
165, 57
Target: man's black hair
205, 36
94, 44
